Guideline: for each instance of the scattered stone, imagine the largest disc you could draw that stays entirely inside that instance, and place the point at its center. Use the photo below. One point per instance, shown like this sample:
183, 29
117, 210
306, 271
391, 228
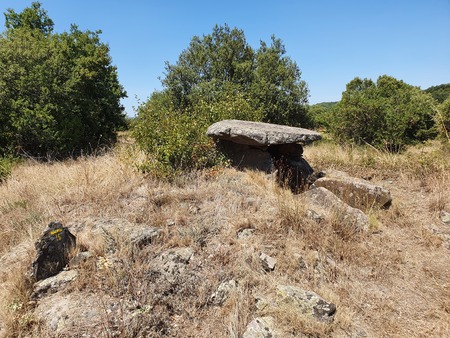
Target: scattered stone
323, 201
306, 302
445, 217
261, 327
54, 283
268, 263
223, 292
53, 251
356, 192
170, 223
315, 216
80, 312
143, 237
80, 258
245, 233
173, 262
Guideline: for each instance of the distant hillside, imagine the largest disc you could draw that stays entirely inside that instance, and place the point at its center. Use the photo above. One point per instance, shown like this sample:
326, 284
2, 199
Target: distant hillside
440, 93
327, 105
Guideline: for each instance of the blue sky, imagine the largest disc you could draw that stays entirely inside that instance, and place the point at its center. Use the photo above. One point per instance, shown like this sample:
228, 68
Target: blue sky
332, 41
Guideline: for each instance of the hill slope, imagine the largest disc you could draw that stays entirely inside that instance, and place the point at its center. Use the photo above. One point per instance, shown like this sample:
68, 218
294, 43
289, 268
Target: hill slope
211, 228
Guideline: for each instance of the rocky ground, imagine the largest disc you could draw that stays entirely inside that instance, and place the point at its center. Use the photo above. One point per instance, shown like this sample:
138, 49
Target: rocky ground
225, 253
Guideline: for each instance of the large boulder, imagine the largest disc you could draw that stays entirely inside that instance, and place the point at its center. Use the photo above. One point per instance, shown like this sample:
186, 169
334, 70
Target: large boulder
323, 202
259, 133
357, 192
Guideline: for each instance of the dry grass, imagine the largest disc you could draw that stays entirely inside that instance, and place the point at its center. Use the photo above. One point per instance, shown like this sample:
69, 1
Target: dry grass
389, 282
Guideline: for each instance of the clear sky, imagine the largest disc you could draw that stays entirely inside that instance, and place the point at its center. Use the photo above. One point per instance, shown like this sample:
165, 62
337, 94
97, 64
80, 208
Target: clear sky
332, 41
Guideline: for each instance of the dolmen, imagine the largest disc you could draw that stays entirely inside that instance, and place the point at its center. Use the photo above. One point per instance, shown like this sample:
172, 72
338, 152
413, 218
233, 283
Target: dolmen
267, 147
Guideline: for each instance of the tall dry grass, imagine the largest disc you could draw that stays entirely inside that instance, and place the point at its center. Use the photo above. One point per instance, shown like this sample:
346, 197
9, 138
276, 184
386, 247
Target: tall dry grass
389, 282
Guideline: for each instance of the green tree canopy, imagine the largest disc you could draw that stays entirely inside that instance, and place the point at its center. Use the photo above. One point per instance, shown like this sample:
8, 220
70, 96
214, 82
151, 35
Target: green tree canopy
388, 113
440, 93
269, 79
32, 18
59, 93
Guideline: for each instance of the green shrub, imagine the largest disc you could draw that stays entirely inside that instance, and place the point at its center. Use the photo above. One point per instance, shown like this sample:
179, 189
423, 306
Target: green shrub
177, 141
442, 119
387, 114
6, 165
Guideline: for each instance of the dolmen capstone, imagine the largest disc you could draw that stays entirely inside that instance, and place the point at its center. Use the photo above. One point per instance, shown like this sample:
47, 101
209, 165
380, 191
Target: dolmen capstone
266, 147
53, 251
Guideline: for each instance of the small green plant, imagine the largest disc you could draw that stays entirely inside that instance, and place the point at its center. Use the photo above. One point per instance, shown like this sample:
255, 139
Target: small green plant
6, 165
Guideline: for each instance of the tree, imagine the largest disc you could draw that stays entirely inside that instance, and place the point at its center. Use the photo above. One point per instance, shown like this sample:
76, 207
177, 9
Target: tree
33, 18
59, 94
387, 114
270, 80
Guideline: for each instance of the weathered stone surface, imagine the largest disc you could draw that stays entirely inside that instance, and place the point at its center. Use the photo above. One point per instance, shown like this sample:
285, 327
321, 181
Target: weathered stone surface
324, 202
53, 251
306, 302
268, 263
445, 217
261, 327
223, 292
259, 133
293, 173
54, 283
357, 192
266, 147
80, 313
143, 237
244, 156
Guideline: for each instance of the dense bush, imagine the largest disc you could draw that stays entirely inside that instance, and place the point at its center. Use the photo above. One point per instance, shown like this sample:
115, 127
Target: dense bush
440, 93
6, 165
442, 118
60, 95
387, 114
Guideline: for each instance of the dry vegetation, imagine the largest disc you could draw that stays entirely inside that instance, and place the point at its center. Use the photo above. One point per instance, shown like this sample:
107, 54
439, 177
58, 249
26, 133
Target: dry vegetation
391, 282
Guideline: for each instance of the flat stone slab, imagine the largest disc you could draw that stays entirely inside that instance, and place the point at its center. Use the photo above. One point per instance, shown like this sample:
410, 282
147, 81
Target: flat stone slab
260, 133
357, 192
324, 202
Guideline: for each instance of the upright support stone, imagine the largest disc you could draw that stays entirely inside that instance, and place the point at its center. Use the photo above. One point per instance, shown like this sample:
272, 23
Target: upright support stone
53, 251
